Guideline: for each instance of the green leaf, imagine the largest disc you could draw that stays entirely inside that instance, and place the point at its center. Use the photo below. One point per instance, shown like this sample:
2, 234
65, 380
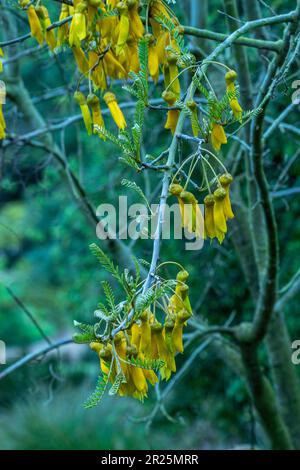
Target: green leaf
97, 395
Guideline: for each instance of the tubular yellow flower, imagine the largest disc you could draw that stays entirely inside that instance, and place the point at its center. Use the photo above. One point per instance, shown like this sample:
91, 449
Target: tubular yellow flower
181, 319
94, 103
176, 189
114, 68
226, 181
2, 123
78, 29
173, 114
193, 219
237, 110
34, 22
173, 70
45, 21
134, 61
98, 74
194, 117
136, 25
160, 351
135, 335
153, 63
63, 30
209, 223
219, 216
117, 115
123, 27
81, 100
218, 136
145, 342
81, 60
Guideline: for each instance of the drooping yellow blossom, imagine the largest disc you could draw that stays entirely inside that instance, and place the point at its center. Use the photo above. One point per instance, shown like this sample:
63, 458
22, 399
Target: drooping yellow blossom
113, 67
160, 351
78, 28
237, 110
81, 60
176, 189
226, 181
34, 22
209, 224
136, 24
81, 100
94, 103
123, 27
193, 219
218, 136
96, 68
63, 30
2, 122
157, 10
180, 321
117, 115
173, 74
173, 114
219, 215
145, 340
45, 21
153, 62
194, 117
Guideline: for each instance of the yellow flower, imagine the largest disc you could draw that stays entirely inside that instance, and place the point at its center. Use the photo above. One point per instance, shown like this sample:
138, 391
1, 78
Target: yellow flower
160, 351
219, 216
237, 110
81, 100
153, 63
218, 136
194, 117
173, 114
173, 71
176, 189
45, 21
209, 223
34, 22
63, 30
145, 342
180, 321
98, 76
123, 27
2, 123
193, 219
94, 103
136, 25
81, 60
114, 68
226, 181
117, 115
78, 28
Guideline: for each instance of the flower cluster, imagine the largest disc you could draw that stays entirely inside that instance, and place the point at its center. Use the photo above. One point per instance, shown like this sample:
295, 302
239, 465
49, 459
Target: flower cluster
217, 209
129, 357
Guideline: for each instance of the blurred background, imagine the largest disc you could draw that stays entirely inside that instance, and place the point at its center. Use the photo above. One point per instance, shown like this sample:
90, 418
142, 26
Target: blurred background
46, 264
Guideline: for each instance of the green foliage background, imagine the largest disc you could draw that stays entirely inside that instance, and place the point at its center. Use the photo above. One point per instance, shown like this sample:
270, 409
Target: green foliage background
44, 238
